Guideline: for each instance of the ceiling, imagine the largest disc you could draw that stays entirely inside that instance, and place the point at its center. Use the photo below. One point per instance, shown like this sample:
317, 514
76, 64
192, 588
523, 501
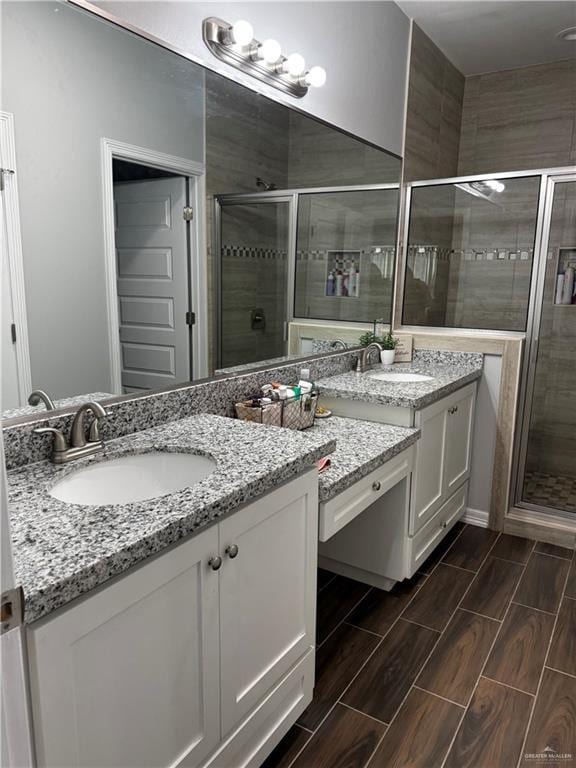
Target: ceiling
490, 35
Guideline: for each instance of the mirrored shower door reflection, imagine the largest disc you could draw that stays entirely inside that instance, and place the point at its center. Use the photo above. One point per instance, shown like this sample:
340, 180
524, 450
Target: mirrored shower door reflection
547, 477
255, 237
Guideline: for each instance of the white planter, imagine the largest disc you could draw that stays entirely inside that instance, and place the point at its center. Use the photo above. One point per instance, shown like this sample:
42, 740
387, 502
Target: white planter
387, 356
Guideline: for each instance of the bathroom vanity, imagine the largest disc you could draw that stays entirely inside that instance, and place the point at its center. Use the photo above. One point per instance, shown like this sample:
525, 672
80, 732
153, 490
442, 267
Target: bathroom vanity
398, 529
179, 630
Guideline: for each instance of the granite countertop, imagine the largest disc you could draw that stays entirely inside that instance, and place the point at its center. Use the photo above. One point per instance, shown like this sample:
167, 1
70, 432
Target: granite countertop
65, 402
62, 551
449, 370
361, 447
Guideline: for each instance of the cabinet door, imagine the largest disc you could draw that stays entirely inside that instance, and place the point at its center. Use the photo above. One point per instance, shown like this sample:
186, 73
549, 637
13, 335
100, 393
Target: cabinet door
459, 424
129, 676
428, 479
267, 593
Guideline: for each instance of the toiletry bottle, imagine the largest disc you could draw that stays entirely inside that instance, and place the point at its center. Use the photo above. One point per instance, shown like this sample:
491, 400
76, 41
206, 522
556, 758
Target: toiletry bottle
330, 284
568, 289
559, 288
352, 280
345, 279
338, 283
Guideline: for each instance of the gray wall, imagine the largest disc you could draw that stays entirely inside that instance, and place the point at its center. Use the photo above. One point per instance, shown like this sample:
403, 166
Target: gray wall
433, 112
362, 45
84, 80
519, 119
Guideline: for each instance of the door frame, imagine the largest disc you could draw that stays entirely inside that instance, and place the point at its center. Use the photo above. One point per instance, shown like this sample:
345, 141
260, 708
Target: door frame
539, 513
222, 201
195, 173
14, 253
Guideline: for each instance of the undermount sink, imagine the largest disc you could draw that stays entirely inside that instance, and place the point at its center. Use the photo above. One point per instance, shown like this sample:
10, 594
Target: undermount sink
133, 478
399, 378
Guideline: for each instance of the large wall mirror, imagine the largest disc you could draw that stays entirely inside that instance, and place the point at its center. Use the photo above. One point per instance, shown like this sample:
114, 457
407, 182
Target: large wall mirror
173, 222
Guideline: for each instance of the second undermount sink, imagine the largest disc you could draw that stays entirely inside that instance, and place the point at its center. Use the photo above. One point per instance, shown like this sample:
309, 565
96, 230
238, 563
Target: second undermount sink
400, 378
134, 477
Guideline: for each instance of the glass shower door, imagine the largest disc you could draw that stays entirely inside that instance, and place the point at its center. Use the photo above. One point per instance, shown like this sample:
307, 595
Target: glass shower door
255, 237
548, 453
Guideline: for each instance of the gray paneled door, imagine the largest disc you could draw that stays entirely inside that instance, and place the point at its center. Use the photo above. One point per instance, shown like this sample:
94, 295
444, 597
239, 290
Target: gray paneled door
152, 257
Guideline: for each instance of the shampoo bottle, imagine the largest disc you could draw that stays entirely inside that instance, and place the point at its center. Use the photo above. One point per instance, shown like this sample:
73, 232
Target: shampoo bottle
330, 284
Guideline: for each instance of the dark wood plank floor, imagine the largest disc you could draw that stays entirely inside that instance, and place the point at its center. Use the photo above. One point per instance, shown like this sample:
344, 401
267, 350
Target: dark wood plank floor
470, 664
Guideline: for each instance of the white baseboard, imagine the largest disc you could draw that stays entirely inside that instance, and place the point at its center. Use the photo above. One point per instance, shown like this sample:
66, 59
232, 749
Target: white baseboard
476, 517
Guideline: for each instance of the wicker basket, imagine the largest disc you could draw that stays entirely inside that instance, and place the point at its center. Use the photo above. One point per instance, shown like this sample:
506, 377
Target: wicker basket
292, 414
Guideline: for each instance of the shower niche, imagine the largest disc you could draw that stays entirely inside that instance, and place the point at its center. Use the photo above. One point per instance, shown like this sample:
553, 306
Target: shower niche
342, 274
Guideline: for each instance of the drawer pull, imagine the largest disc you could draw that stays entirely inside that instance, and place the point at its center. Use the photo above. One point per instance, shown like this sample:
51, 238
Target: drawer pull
215, 563
376, 486
231, 550
444, 524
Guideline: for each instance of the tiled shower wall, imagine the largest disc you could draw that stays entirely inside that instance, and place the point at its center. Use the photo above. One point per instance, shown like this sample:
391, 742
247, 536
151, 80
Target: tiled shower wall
517, 119
552, 440
253, 278
361, 223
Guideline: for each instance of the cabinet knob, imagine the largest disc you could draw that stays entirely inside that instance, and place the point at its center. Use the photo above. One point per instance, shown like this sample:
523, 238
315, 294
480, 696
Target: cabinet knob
231, 550
215, 563
444, 524
376, 486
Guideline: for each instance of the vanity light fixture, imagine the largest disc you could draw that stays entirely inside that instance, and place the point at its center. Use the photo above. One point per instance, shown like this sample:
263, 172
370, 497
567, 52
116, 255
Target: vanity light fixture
235, 44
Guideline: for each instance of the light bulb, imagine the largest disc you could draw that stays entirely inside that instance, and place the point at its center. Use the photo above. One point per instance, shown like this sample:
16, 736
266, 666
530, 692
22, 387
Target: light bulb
295, 65
496, 185
242, 32
269, 51
316, 77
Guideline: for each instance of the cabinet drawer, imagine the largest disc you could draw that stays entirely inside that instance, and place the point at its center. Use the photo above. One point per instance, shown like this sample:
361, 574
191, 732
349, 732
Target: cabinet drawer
427, 539
343, 508
250, 743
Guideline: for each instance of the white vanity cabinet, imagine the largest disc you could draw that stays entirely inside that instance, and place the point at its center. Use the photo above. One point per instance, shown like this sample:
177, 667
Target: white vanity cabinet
383, 538
179, 664
443, 453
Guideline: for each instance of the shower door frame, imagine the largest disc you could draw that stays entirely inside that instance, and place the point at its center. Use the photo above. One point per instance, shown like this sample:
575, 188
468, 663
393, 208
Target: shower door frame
402, 250
222, 201
522, 509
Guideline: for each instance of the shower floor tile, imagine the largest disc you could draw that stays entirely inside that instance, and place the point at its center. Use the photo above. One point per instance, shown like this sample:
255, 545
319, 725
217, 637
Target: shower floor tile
550, 491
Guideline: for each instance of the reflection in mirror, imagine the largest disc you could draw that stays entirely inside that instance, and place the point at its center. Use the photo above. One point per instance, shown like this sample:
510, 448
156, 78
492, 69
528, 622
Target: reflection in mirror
165, 211
345, 254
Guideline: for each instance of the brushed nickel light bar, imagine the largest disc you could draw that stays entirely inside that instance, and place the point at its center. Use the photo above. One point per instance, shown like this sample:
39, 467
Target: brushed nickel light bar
235, 44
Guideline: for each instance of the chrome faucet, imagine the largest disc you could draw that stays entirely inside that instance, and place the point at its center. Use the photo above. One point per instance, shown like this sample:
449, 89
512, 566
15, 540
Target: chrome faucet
338, 343
39, 396
363, 363
78, 447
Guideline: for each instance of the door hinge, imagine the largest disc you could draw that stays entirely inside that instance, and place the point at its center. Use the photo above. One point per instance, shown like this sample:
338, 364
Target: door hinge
11, 609
190, 318
13, 333
188, 213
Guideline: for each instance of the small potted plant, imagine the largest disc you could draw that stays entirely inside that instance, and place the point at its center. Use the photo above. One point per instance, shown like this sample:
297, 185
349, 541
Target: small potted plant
368, 338
388, 342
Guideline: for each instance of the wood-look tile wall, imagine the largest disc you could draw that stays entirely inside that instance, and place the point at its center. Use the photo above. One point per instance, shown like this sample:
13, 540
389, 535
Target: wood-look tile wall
434, 112
519, 119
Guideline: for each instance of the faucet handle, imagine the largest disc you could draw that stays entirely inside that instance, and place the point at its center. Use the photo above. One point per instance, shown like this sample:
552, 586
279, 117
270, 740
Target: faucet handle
60, 442
94, 430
